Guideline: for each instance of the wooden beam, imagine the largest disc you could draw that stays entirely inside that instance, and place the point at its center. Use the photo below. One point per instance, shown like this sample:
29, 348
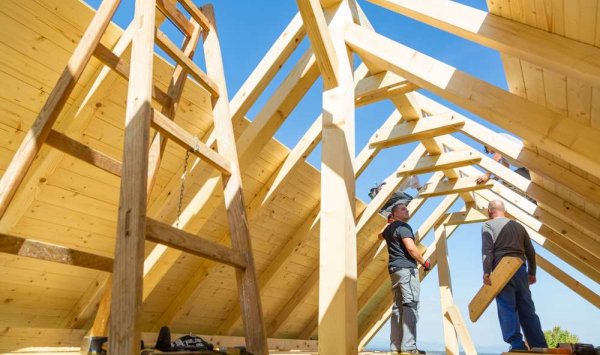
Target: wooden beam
551, 131
165, 234
381, 86
453, 313
337, 259
171, 49
471, 215
43, 251
30, 146
568, 281
320, 40
264, 72
131, 227
445, 285
121, 67
190, 142
196, 14
552, 210
177, 18
83, 152
453, 186
502, 273
430, 163
558, 53
366, 155
256, 340
513, 151
411, 131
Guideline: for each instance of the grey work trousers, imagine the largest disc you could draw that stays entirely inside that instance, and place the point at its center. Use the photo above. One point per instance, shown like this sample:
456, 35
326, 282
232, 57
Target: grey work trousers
405, 310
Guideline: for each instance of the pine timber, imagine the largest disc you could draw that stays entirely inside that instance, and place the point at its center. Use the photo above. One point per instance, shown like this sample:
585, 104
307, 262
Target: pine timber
502, 273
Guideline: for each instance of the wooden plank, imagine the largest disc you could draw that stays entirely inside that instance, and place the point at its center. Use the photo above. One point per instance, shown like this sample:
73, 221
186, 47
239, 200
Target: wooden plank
320, 40
458, 322
411, 131
21, 161
121, 67
453, 186
381, 86
131, 228
169, 9
366, 155
165, 234
190, 142
568, 281
471, 215
43, 251
264, 72
430, 163
83, 152
197, 15
502, 273
256, 340
550, 131
445, 285
170, 48
572, 58
337, 253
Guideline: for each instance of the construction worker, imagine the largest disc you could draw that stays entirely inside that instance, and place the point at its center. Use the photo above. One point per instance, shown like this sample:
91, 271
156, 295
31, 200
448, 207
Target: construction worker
521, 170
399, 196
402, 266
504, 237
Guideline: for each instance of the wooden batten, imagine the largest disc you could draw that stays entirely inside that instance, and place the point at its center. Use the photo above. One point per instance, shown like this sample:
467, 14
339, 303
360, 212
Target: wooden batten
43, 251
411, 131
448, 160
453, 186
471, 215
190, 142
381, 86
169, 9
165, 234
170, 48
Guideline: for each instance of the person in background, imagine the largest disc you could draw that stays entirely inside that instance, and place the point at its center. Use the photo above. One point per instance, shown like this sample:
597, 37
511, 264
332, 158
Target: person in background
504, 237
399, 196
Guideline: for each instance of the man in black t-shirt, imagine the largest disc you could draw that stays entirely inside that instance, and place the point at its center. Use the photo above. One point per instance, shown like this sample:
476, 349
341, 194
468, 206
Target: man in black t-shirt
402, 266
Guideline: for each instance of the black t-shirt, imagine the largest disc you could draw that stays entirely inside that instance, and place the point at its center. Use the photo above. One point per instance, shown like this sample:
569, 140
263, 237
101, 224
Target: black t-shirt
399, 256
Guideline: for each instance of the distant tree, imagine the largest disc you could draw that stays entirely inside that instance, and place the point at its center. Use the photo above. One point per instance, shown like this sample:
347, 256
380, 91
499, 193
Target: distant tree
558, 335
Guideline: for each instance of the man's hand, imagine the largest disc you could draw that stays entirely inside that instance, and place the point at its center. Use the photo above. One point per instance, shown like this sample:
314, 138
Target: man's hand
482, 179
487, 280
532, 279
427, 265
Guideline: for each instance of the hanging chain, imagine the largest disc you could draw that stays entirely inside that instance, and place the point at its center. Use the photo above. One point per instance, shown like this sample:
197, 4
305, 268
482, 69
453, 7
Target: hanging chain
183, 177
182, 187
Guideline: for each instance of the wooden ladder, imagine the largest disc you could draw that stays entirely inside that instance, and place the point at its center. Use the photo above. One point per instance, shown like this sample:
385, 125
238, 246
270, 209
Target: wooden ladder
140, 164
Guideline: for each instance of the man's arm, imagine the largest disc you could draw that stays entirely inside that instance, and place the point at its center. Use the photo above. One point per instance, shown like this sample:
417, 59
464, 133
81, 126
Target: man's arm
530, 255
487, 252
411, 247
497, 157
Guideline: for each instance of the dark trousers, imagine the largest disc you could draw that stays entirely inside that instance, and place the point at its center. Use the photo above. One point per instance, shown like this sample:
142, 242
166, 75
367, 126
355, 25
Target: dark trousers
516, 311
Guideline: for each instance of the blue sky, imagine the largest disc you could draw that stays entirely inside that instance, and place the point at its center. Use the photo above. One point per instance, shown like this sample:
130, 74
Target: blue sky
248, 28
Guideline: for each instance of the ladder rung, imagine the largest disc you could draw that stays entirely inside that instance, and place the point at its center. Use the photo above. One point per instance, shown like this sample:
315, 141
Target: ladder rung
162, 233
82, 152
121, 67
165, 44
189, 142
197, 15
168, 8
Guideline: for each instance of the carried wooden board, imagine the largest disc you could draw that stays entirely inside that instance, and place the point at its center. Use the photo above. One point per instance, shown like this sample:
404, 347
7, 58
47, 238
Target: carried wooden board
500, 277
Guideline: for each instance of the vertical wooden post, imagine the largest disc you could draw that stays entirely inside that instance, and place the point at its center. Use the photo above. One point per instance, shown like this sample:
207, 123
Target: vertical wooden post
37, 134
450, 339
337, 277
254, 329
131, 228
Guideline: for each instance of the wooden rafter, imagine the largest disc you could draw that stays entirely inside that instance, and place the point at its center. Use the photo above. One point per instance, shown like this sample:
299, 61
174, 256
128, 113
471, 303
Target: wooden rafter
453, 186
320, 40
544, 128
561, 54
443, 161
